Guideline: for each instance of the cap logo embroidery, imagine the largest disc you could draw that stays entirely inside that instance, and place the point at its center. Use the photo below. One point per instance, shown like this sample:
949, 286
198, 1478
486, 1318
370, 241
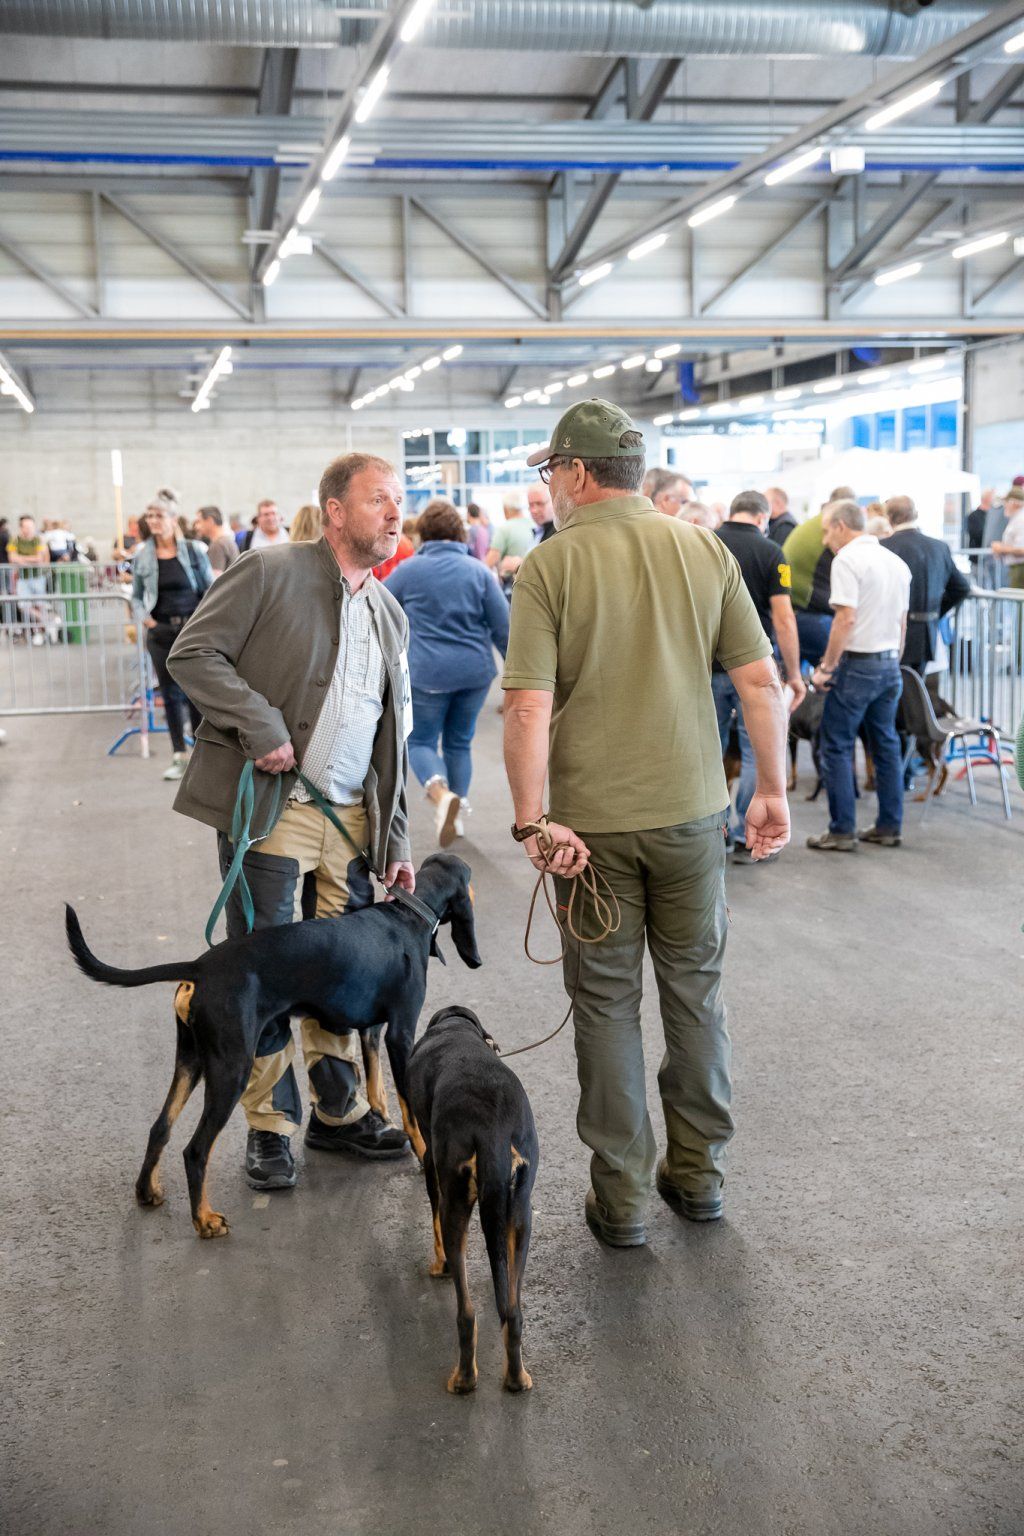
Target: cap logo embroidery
566, 442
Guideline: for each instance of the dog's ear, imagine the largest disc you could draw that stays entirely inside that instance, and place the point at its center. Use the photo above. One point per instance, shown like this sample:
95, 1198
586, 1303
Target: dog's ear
435, 949
464, 930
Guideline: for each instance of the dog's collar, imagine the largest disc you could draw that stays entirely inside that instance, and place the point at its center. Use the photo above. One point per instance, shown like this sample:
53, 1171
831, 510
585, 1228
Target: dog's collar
413, 903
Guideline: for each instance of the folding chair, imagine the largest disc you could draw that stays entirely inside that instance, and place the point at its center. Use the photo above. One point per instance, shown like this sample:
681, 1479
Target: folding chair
921, 722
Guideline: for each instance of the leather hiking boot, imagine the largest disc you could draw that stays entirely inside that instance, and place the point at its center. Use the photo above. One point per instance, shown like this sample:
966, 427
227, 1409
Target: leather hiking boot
617, 1234
695, 1207
268, 1161
833, 842
369, 1137
880, 836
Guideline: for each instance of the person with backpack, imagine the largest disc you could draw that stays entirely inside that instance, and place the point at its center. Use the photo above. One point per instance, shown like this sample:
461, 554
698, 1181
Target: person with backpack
169, 576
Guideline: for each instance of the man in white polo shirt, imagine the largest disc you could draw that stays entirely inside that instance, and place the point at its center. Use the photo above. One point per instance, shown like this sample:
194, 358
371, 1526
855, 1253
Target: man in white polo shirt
860, 671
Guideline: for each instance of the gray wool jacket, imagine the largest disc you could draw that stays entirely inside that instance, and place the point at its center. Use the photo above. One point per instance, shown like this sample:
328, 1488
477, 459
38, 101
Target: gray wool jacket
256, 658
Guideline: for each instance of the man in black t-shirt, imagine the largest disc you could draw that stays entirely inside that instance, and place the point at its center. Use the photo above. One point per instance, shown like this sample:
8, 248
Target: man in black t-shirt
766, 577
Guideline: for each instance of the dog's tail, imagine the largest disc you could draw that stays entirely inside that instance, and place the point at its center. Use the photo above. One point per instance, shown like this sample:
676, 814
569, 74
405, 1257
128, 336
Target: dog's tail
503, 1181
177, 970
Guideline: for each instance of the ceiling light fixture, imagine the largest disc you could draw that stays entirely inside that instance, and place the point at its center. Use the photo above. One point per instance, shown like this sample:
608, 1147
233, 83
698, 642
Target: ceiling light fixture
415, 19
653, 365
593, 274
903, 105
982, 243
373, 93
751, 403
12, 386
221, 366
645, 247
451, 353
712, 211
308, 207
332, 165
636, 361
604, 372
413, 373
720, 408
689, 415
556, 388
513, 401
270, 274
897, 274
663, 421
431, 363
790, 393
927, 365
871, 376
793, 167
1014, 44
576, 379
828, 386
670, 351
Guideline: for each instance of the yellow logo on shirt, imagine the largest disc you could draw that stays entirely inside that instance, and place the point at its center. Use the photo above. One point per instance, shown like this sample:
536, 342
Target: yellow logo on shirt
785, 576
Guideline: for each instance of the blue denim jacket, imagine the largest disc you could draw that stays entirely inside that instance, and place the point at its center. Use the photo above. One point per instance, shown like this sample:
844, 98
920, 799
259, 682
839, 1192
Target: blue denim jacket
457, 614
146, 573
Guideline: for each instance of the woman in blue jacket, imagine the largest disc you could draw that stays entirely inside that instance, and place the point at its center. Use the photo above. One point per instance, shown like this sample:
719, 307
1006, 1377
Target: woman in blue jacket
457, 616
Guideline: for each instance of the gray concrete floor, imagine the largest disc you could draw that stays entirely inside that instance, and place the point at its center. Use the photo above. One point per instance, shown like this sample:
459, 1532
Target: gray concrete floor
841, 1355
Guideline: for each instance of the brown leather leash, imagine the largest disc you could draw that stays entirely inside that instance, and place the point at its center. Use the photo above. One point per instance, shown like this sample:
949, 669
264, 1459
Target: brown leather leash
582, 888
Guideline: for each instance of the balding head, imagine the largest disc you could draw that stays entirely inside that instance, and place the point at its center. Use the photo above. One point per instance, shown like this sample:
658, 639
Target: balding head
900, 511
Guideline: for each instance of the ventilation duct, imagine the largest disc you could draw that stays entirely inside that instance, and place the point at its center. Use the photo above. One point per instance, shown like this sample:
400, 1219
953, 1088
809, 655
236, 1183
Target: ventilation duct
608, 28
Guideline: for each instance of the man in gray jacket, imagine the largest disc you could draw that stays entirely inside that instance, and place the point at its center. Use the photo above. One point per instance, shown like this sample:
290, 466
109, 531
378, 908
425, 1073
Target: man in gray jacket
297, 658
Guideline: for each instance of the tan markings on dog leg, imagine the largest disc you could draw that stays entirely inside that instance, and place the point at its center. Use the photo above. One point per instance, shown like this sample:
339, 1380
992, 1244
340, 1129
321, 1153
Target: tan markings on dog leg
465, 1375
469, 1167
183, 999
460, 1382
412, 1130
439, 1268
207, 1221
376, 1093
515, 1381
518, 1160
472, 898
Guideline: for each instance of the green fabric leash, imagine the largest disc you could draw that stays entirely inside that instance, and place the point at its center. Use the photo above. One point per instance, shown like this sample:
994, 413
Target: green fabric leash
242, 840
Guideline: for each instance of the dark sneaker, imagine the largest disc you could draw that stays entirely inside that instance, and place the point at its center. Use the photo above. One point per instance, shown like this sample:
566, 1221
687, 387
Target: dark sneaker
882, 838
617, 1234
268, 1161
706, 1206
371, 1136
833, 842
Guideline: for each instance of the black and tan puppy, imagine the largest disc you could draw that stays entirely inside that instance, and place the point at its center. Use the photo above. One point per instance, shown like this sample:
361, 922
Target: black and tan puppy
480, 1144
350, 973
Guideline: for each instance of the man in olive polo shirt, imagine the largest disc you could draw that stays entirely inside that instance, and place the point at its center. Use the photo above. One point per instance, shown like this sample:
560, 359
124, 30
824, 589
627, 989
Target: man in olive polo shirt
615, 626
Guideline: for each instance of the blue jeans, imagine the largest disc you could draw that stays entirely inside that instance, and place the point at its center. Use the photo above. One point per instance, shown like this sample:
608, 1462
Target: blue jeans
866, 692
727, 704
813, 630
450, 717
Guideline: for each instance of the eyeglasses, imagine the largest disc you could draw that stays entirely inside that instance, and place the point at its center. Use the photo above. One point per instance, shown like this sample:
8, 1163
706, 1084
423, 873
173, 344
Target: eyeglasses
548, 469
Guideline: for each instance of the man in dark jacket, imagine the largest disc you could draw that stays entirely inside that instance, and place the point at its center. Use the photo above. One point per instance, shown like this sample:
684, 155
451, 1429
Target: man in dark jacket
936, 586
781, 521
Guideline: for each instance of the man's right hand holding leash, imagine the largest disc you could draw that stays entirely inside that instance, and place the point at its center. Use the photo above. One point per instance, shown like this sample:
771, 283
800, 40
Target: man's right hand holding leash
568, 854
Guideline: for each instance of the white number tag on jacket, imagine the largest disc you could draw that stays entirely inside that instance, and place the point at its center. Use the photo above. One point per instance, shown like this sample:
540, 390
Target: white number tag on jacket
406, 697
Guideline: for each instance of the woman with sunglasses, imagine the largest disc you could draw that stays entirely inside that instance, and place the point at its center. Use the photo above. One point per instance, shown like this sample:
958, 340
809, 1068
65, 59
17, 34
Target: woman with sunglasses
169, 576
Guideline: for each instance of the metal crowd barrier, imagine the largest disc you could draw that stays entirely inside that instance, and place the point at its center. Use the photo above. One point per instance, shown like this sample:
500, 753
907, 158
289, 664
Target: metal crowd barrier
985, 569
72, 650
984, 678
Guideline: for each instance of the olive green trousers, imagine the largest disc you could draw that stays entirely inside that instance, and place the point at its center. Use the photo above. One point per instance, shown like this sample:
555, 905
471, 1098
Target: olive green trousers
670, 886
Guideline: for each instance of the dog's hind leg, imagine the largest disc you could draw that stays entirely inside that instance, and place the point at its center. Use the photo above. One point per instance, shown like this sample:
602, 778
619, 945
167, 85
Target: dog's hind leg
505, 1216
224, 1087
187, 1070
439, 1266
455, 1212
376, 1092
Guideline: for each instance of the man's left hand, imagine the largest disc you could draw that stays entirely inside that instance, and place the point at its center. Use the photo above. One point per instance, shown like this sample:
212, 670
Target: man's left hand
822, 680
401, 874
767, 829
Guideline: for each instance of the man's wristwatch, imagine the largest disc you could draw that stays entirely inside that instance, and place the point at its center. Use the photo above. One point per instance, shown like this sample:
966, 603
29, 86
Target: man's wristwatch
521, 834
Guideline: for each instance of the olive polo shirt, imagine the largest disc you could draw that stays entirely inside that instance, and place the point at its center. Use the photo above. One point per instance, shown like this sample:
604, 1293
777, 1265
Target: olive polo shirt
620, 616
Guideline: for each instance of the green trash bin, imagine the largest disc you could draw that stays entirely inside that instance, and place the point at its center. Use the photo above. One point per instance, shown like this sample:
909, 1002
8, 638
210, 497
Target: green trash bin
69, 581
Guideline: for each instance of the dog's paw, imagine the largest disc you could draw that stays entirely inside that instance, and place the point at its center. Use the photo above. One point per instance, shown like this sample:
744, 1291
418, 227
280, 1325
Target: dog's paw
439, 1270
460, 1384
212, 1224
150, 1194
521, 1383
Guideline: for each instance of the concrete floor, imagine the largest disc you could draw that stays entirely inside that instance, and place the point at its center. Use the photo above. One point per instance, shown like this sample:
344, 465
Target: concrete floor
840, 1357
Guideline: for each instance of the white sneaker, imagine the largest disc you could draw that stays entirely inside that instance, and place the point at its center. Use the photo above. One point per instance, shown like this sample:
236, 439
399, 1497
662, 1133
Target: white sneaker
179, 762
446, 818
38, 639
465, 809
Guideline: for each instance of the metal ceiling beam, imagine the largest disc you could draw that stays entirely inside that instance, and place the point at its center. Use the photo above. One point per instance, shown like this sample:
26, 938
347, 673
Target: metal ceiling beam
643, 107
177, 255
276, 94
99, 262
953, 56
471, 249
943, 215
1000, 283
353, 275
43, 275
767, 252
1003, 91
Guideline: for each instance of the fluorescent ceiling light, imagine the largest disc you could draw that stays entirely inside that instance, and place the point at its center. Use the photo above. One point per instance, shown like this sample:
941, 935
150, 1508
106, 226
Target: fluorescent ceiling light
1014, 44
332, 165
793, 167
790, 393
663, 421
271, 273
636, 361
413, 373
431, 363
415, 19
983, 243
451, 353
604, 372
670, 351
594, 274
689, 415
928, 365
872, 376
295, 244
645, 247
513, 401
653, 365
712, 211
828, 386
533, 394
357, 405
846, 160
373, 93
903, 105
10, 386
897, 274
308, 208
751, 403
576, 379
720, 408
554, 389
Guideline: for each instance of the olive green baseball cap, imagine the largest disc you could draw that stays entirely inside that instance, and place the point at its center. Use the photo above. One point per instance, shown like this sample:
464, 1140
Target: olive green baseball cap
591, 429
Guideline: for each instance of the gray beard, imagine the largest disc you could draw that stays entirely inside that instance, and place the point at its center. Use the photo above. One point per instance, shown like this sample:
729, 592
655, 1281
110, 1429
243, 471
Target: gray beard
373, 553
